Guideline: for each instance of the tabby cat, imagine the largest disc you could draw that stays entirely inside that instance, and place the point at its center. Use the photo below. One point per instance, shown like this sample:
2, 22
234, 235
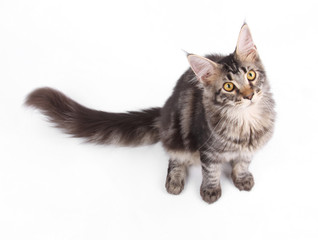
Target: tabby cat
221, 110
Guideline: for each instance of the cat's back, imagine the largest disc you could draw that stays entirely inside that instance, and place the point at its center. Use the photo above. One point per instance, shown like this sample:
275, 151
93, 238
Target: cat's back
183, 123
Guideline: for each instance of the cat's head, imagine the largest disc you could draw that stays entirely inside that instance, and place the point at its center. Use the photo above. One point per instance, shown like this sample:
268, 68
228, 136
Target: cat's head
235, 80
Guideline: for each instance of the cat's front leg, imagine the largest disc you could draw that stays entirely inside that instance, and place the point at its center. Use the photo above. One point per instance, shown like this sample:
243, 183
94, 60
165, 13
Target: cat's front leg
177, 172
241, 176
211, 171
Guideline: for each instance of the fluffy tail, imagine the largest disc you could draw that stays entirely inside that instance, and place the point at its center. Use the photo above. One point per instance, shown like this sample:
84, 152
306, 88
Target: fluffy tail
125, 129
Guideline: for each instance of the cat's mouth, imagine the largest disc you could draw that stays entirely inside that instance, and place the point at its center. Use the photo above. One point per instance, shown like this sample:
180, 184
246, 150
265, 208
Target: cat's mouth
245, 103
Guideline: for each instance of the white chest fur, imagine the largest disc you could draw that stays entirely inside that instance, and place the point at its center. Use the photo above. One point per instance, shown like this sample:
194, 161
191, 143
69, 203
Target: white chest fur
247, 118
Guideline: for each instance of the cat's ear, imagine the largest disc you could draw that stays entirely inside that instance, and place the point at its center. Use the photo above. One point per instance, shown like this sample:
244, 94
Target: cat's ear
205, 69
245, 47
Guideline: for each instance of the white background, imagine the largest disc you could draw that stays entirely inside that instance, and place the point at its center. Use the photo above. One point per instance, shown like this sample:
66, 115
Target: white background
126, 55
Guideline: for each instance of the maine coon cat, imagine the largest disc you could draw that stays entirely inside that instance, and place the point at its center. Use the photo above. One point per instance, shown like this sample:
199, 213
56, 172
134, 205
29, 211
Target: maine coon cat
221, 110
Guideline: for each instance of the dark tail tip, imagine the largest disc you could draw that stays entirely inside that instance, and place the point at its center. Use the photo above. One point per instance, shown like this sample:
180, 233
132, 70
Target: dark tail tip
38, 98
45, 99
52, 103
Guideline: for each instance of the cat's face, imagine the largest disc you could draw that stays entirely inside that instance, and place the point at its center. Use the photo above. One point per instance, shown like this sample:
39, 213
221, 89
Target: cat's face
235, 80
239, 83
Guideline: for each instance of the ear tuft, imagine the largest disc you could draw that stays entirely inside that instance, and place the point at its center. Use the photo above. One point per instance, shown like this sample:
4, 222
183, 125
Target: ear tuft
204, 68
245, 47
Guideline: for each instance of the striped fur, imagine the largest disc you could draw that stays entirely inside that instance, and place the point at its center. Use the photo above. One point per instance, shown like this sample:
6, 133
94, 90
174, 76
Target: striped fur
200, 122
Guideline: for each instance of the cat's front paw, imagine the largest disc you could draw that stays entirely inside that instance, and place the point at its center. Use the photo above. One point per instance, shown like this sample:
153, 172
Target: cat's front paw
245, 182
210, 194
174, 185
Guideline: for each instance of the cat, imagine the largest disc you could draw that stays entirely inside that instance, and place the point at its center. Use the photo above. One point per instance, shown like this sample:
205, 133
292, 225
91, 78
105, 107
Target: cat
221, 110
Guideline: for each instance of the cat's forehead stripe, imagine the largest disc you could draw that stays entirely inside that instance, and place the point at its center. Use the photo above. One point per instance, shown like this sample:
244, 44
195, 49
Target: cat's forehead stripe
244, 69
229, 77
231, 66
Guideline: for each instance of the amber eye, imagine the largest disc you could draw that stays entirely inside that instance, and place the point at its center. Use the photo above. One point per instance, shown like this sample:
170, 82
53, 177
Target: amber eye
251, 75
228, 86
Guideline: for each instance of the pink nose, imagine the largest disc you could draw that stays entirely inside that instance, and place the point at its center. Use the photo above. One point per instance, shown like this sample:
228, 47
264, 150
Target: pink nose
249, 97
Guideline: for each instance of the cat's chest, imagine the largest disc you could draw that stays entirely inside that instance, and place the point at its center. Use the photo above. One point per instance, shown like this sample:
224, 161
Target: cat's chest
243, 129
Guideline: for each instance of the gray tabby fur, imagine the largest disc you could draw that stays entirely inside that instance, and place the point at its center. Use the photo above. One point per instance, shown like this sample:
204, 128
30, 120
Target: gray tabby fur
200, 123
